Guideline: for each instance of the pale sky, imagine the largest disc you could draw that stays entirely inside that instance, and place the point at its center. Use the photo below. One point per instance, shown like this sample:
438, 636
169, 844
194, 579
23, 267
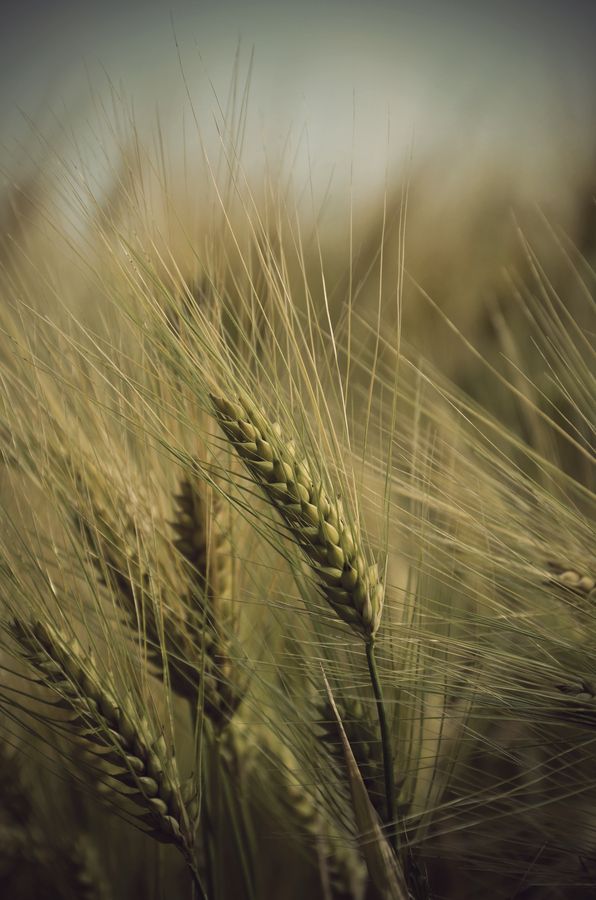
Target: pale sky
496, 78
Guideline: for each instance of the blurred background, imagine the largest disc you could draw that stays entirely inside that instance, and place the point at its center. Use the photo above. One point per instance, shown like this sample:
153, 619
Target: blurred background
485, 111
510, 85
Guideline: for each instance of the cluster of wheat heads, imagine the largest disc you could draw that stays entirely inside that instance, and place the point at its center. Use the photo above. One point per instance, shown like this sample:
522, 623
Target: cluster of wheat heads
280, 597
120, 613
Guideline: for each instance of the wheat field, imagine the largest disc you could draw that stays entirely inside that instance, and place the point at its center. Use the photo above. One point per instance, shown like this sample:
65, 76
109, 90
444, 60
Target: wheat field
297, 556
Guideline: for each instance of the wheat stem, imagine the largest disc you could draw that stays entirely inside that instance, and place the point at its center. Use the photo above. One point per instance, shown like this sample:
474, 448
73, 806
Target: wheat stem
198, 889
385, 738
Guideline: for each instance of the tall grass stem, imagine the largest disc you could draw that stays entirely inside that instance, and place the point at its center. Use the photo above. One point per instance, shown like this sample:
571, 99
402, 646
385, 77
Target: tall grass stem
385, 739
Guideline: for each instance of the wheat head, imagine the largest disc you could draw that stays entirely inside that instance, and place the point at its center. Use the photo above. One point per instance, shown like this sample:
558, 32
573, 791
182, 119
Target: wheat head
203, 541
314, 520
125, 749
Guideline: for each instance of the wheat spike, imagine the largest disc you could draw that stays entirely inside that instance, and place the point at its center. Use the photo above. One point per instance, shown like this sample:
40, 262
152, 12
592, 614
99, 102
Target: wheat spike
193, 645
203, 541
350, 586
122, 745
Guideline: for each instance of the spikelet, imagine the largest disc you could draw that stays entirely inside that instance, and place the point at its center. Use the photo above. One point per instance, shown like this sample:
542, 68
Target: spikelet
123, 746
566, 576
314, 520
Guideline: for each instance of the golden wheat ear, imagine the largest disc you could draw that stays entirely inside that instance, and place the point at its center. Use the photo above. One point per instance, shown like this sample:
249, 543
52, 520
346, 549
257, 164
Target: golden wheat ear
315, 521
131, 762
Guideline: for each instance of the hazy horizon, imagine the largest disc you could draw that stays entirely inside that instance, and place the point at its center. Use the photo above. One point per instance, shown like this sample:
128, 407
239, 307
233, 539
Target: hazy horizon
357, 86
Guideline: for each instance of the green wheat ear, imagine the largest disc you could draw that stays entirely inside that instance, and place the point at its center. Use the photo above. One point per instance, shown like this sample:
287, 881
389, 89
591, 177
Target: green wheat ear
294, 488
122, 744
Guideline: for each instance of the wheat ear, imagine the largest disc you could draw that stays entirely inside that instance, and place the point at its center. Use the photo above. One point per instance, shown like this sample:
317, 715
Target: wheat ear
203, 541
348, 583
124, 748
337, 863
340, 867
